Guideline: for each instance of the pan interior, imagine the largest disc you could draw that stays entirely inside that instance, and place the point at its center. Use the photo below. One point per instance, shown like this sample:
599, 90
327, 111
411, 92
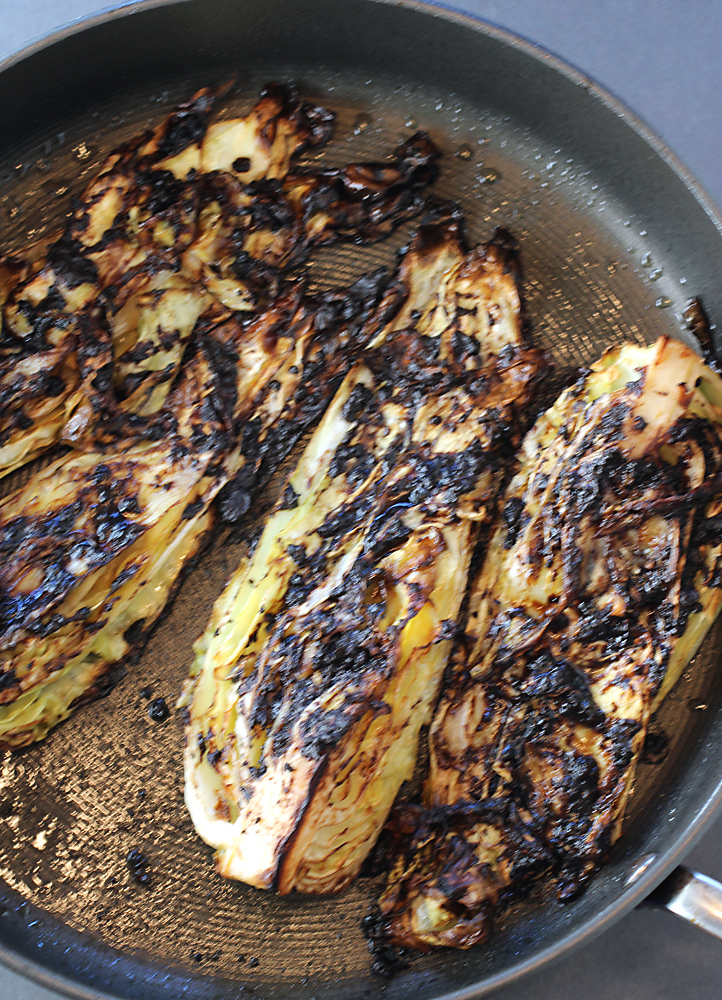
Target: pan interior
110, 780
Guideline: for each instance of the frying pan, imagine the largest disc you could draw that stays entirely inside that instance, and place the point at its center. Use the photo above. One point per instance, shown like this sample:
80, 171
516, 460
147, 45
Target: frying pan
614, 235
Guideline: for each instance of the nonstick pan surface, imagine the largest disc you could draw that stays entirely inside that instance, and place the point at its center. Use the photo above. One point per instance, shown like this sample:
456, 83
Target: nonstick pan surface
615, 236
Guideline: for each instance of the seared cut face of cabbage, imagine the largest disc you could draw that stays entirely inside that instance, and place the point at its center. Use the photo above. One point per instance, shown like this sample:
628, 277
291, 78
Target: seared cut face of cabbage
324, 654
599, 583
76, 578
94, 545
96, 328
187, 223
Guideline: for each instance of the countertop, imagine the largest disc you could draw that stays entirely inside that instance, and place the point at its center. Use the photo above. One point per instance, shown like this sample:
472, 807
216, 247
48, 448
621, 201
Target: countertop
662, 58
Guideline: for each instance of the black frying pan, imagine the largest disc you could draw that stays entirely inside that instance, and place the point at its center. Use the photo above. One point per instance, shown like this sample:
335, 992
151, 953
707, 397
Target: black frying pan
599, 205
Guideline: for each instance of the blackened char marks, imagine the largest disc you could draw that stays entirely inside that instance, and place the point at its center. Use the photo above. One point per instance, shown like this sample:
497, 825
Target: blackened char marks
67, 257
337, 318
269, 210
22, 421
40, 322
511, 516
357, 402
289, 499
697, 322
298, 554
456, 473
565, 685
223, 361
7, 679
315, 123
186, 126
621, 733
322, 731
387, 959
385, 534
262, 279
352, 460
346, 517
162, 191
601, 626
434, 850
62, 550
297, 591
234, 500
191, 509
103, 380
366, 201
343, 658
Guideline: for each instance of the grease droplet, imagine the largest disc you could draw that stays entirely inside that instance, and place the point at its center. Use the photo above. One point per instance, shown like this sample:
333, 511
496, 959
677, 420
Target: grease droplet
361, 123
464, 152
488, 175
656, 274
411, 122
663, 302
646, 260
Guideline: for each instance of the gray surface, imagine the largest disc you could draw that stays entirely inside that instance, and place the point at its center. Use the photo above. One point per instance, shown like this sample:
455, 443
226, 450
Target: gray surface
661, 58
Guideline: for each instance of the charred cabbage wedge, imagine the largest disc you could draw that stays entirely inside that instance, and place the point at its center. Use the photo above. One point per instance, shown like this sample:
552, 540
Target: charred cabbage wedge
184, 222
105, 308
600, 581
324, 654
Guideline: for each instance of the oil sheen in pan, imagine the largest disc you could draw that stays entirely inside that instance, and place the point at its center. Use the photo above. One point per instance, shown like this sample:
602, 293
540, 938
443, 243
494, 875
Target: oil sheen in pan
108, 781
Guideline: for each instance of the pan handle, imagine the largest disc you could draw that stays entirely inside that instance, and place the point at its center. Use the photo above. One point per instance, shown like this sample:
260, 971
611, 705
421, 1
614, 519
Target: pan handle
693, 897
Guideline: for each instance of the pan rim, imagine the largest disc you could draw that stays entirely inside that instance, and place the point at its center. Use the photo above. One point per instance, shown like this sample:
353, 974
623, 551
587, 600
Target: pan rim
695, 827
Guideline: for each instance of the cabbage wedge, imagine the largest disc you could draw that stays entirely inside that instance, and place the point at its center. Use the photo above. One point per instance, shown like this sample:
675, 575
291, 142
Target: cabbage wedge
599, 583
105, 309
324, 654
190, 220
